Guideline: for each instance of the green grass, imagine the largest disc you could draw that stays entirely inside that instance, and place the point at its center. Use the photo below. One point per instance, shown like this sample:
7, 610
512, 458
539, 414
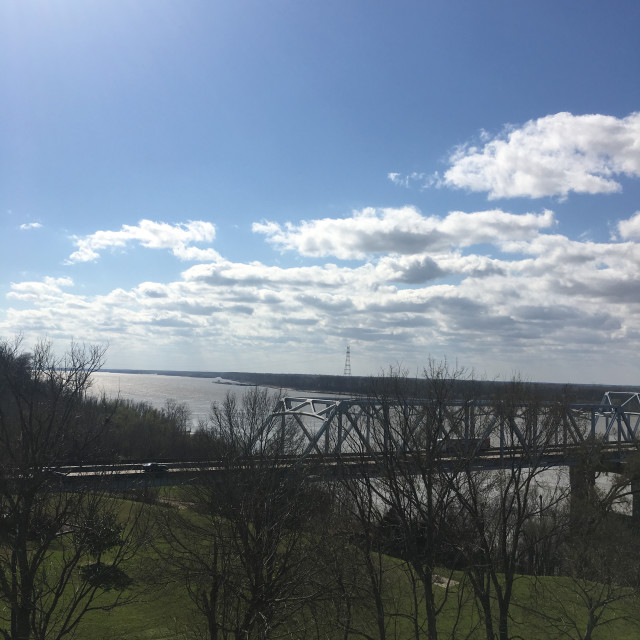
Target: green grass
162, 610
165, 612
160, 613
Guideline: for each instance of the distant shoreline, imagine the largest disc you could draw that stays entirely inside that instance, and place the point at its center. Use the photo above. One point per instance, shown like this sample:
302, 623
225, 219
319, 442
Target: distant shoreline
360, 385
248, 381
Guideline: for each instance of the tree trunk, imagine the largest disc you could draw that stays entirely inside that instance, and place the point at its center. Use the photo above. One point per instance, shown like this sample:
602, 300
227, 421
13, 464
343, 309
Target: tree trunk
426, 575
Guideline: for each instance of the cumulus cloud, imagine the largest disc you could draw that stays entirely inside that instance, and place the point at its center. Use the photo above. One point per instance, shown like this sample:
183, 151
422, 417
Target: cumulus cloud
551, 156
544, 293
463, 284
47, 288
232, 274
630, 229
152, 235
30, 225
400, 231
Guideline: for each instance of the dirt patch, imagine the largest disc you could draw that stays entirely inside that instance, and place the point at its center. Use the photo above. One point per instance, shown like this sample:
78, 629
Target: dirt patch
443, 582
172, 502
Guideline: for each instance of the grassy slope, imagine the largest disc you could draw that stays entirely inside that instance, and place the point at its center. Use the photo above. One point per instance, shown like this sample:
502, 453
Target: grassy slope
166, 613
163, 611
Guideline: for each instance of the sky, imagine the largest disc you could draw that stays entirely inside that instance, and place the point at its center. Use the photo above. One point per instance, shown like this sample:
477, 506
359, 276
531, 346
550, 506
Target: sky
256, 185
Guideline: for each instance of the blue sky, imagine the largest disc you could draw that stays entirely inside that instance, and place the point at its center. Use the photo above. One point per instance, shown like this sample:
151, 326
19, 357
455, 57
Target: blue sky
244, 185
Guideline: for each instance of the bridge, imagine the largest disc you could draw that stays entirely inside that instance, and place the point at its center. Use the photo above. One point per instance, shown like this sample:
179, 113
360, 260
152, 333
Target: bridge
335, 427
334, 437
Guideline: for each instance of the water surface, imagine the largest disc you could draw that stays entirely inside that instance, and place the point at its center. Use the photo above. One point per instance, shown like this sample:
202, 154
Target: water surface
154, 389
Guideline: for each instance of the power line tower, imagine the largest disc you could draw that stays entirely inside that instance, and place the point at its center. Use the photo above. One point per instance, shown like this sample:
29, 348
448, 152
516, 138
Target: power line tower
347, 362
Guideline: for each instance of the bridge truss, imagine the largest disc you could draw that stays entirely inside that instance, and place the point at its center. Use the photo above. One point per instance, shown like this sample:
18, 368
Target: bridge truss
338, 426
329, 431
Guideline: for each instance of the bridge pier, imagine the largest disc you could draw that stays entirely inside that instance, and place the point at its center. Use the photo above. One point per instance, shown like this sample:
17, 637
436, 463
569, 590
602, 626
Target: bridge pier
635, 498
622, 468
582, 483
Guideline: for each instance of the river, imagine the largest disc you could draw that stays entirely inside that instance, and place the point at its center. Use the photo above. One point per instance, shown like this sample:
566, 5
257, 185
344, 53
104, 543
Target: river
154, 389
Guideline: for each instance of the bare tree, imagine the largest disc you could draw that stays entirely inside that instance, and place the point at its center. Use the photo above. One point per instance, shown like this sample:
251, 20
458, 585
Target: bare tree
47, 534
598, 553
409, 420
499, 506
363, 581
246, 556
599, 586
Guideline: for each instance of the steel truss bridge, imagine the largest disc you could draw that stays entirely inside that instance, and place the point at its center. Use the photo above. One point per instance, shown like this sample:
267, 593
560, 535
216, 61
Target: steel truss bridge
335, 437
338, 427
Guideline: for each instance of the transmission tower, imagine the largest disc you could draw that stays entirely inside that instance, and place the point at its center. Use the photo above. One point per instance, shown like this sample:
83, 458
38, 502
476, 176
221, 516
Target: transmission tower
347, 362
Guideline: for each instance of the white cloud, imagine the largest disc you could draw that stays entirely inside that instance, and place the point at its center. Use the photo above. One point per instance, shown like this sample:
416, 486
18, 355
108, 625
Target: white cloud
551, 156
544, 294
400, 231
420, 179
47, 291
30, 225
465, 284
395, 177
194, 254
630, 229
47, 287
151, 235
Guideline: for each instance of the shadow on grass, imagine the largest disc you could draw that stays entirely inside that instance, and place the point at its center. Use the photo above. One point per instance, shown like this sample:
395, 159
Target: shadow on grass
106, 576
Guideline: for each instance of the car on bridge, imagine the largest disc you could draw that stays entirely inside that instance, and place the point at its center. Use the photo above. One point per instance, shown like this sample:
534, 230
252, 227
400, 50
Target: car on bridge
155, 467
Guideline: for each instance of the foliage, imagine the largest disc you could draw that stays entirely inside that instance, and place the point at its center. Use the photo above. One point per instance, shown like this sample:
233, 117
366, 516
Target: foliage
138, 431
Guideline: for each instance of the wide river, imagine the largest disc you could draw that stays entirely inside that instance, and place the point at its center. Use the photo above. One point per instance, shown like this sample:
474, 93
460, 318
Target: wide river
197, 393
